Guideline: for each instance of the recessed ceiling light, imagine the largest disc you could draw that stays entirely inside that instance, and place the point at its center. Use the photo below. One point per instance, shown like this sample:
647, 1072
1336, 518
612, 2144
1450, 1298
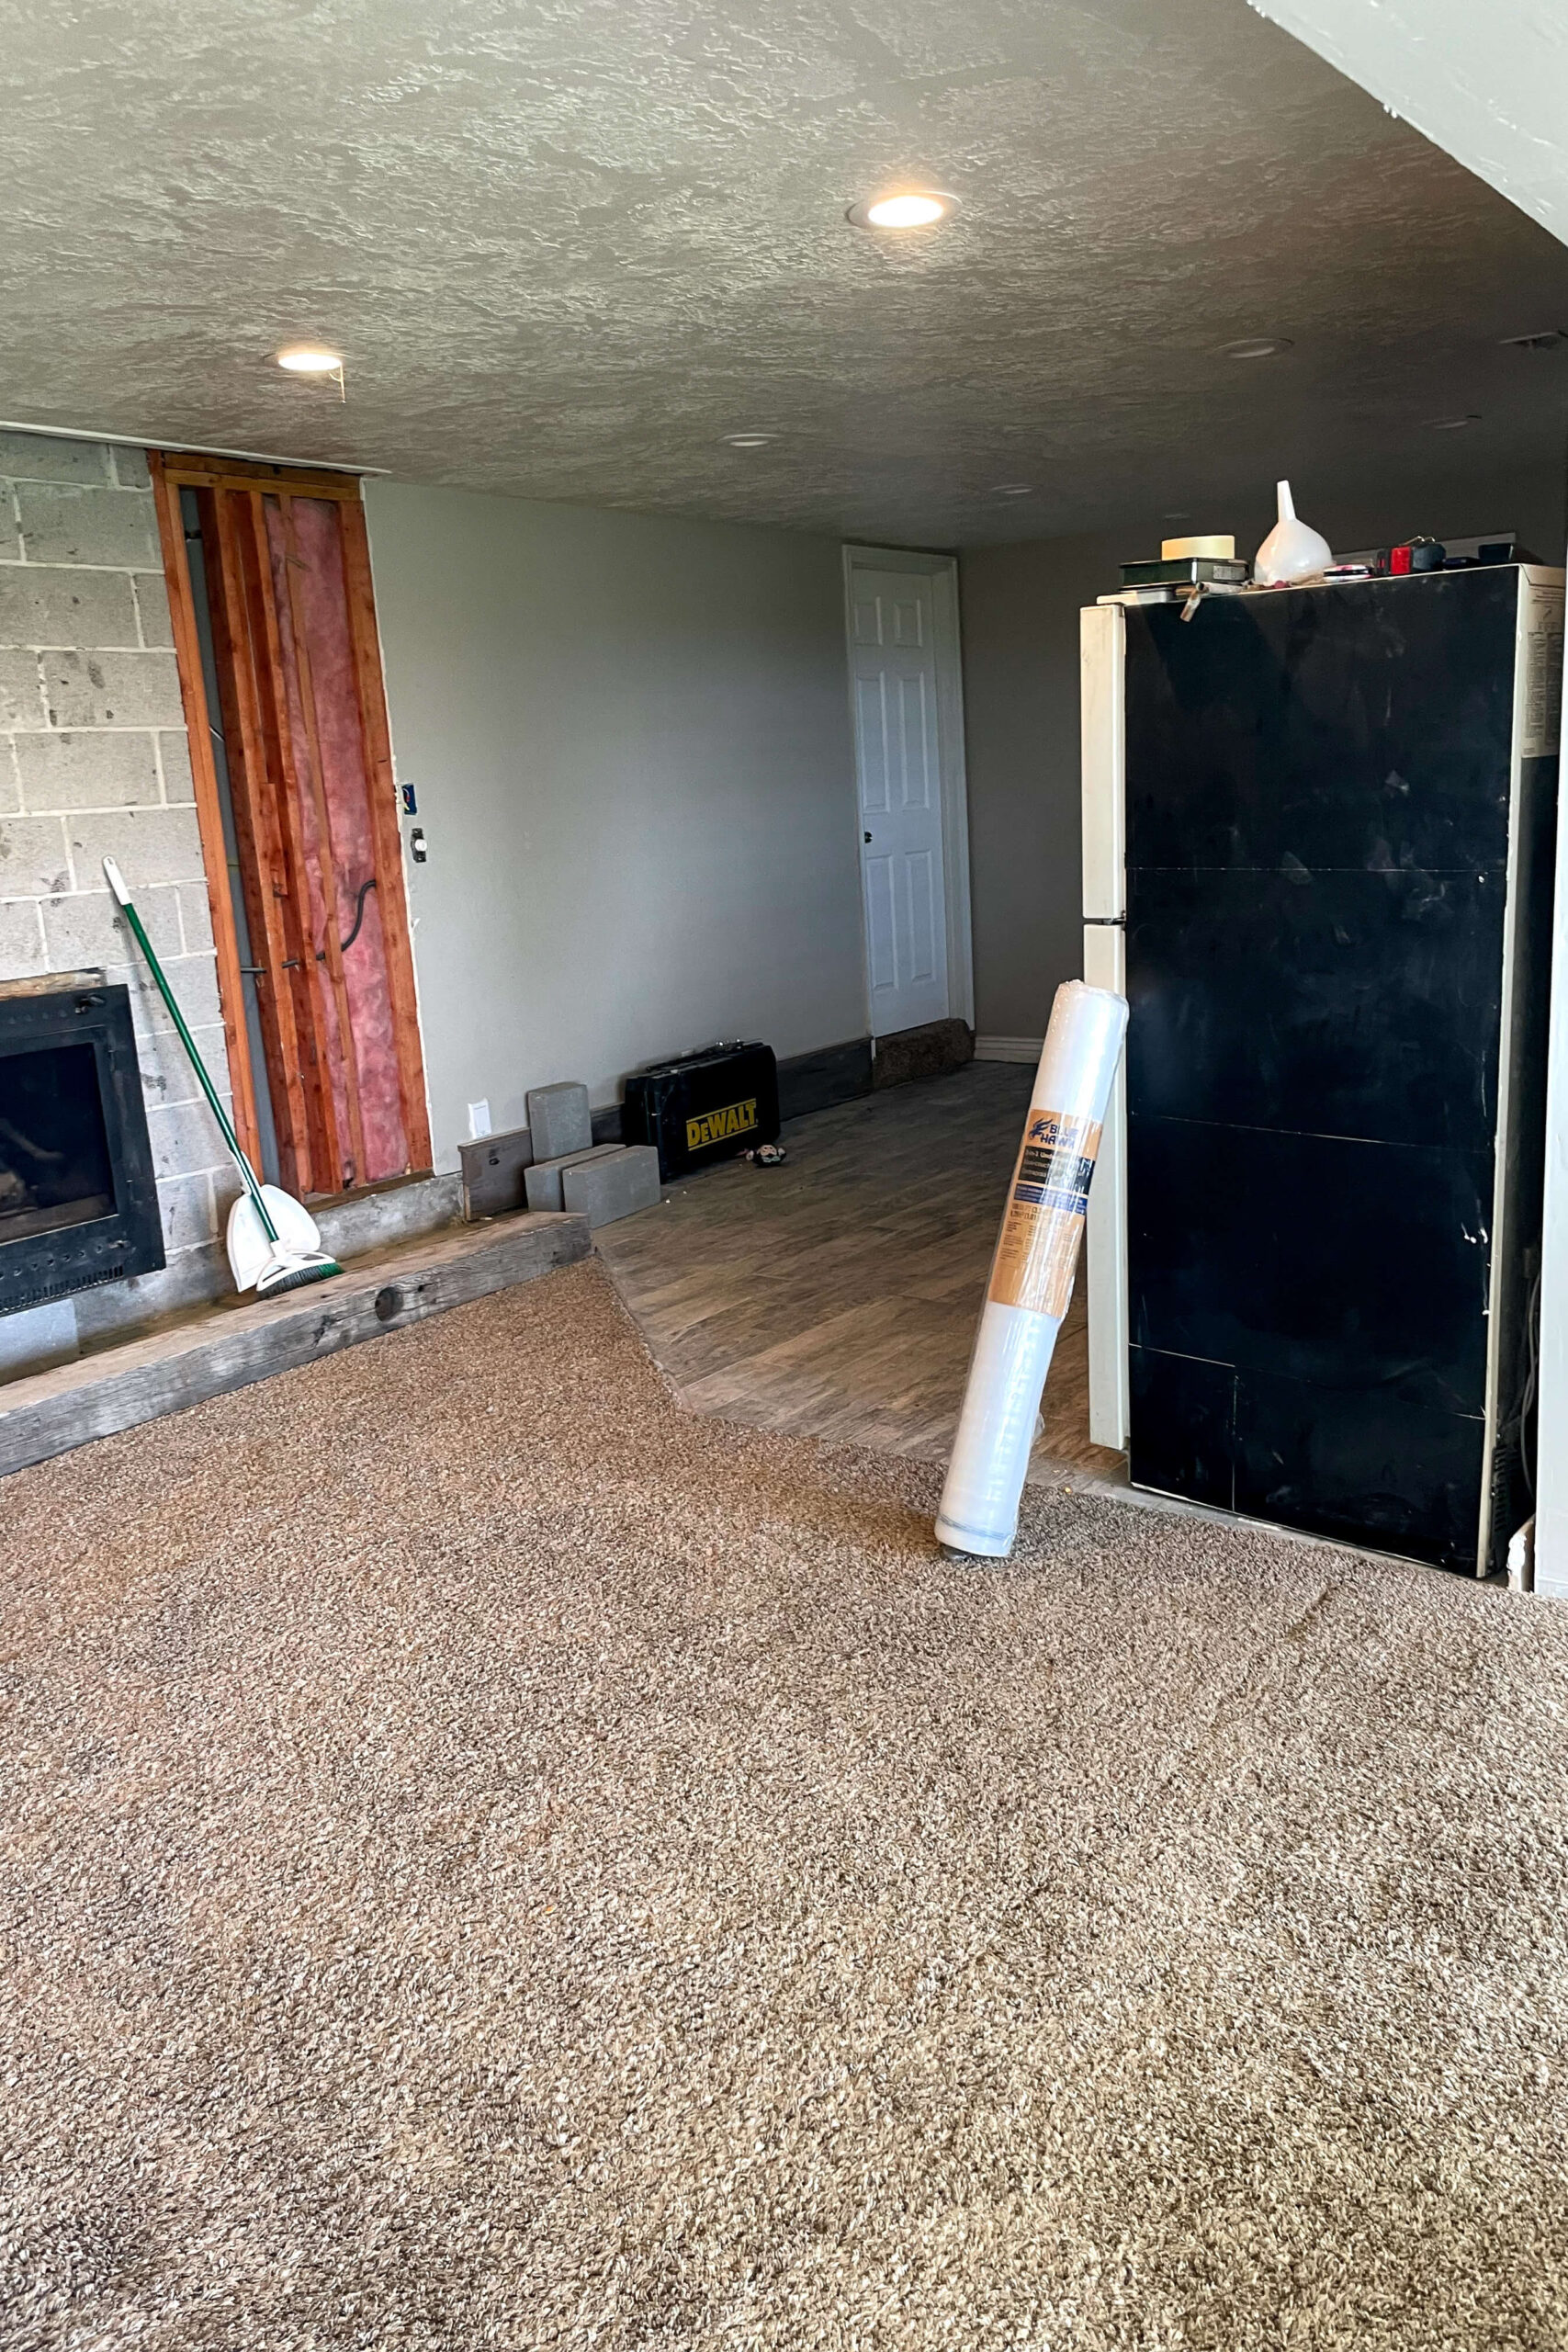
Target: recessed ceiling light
1013, 490
1548, 339
1452, 423
310, 359
1255, 347
749, 440
919, 208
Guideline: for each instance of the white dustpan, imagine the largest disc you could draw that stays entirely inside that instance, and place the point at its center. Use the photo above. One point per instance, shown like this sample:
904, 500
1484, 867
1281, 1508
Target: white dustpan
249, 1250
273, 1242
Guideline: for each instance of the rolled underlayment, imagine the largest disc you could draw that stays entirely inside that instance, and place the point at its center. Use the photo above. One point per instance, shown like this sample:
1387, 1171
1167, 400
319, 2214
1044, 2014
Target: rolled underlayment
1032, 1274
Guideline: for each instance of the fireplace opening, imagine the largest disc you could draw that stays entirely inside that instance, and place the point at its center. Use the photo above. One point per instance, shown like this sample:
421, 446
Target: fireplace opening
78, 1192
55, 1149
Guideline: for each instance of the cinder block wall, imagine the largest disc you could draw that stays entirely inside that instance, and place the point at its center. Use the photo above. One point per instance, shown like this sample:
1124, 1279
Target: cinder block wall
94, 759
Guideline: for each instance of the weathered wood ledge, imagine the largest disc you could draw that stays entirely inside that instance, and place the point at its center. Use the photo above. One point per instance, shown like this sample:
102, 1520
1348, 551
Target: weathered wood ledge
229, 1345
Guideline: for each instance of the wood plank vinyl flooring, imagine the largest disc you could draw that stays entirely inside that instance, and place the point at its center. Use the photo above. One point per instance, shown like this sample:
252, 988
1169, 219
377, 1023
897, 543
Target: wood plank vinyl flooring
836, 1296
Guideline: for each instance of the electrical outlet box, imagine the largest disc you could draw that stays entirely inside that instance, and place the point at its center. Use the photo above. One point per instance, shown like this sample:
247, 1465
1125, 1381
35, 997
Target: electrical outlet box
479, 1119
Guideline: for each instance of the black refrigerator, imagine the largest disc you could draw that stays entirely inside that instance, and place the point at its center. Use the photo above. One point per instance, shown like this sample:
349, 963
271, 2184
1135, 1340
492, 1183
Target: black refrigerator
1319, 838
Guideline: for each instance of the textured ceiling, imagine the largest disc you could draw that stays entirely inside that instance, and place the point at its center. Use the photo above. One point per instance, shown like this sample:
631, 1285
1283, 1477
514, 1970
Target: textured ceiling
566, 245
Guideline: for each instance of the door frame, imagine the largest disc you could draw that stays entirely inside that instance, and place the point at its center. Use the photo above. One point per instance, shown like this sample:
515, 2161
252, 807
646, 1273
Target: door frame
172, 471
942, 570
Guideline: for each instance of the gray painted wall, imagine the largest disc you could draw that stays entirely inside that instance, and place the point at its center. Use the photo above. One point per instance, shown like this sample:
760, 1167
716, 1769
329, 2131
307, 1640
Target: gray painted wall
1020, 676
1021, 724
631, 740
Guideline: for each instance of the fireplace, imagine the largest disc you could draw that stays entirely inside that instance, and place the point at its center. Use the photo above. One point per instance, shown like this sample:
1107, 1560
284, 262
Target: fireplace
78, 1199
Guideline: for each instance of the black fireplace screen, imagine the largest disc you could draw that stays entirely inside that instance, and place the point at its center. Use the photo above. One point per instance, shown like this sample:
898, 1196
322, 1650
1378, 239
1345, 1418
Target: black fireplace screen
78, 1197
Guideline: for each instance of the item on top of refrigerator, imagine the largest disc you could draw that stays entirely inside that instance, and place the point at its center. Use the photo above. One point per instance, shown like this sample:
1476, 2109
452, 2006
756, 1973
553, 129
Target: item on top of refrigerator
1179, 593
1218, 546
1293, 550
1463, 554
1339, 573
1183, 571
1426, 555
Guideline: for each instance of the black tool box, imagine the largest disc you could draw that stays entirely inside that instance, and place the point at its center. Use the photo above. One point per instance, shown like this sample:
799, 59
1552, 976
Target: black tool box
704, 1106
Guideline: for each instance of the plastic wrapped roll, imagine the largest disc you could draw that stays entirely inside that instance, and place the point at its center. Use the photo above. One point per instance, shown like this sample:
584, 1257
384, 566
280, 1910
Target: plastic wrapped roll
1032, 1274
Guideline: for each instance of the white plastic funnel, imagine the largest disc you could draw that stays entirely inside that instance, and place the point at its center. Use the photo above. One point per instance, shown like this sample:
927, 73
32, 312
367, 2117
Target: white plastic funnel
1293, 550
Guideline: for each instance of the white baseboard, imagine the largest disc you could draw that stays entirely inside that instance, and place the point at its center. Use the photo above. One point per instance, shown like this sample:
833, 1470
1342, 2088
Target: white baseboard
1008, 1049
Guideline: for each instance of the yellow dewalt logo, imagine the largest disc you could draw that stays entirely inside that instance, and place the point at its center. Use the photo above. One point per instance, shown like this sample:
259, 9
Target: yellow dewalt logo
716, 1127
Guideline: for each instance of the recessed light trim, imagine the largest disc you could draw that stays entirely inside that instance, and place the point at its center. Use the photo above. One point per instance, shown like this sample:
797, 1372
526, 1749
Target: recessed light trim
1012, 489
749, 440
1452, 424
903, 209
1255, 347
310, 359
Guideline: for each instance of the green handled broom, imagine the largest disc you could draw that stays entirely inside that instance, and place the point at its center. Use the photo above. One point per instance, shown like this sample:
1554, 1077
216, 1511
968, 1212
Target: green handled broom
272, 1241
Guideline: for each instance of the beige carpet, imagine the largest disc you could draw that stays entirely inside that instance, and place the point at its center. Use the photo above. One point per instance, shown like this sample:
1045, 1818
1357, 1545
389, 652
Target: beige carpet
490, 1859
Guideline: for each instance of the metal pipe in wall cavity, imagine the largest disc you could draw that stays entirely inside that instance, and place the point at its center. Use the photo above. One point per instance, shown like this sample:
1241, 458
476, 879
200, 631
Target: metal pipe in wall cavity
1032, 1270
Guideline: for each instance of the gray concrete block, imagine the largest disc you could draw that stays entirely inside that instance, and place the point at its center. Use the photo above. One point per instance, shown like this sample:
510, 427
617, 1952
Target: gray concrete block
130, 467
10, 782
402, 1213
166, 1073
196, 918
39, 607
89, 928
41, 456
493, 1167
22, 951
22, 690
184, 1139
38, 1337
616, 1182
174, 750
33, 859
542, 1181
153, 610
194, 979
185, 1204
67, 523
559, 1120
88, 689
147, 844
90, 769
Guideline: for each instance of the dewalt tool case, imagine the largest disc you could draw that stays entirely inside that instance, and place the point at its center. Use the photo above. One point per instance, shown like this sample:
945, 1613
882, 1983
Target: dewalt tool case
705, 1106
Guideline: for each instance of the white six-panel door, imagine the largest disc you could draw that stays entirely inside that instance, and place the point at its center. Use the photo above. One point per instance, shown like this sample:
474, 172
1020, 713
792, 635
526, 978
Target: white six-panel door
893, 650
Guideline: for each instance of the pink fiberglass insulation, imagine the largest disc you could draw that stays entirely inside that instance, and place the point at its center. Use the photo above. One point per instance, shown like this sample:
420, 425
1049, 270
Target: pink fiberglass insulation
342, 875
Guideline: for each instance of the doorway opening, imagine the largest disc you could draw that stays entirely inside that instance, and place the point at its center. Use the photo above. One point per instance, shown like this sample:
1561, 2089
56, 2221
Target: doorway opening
275, 630
906, 689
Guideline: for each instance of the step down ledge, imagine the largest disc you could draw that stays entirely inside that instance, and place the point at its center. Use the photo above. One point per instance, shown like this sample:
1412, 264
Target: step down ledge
227, 1348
